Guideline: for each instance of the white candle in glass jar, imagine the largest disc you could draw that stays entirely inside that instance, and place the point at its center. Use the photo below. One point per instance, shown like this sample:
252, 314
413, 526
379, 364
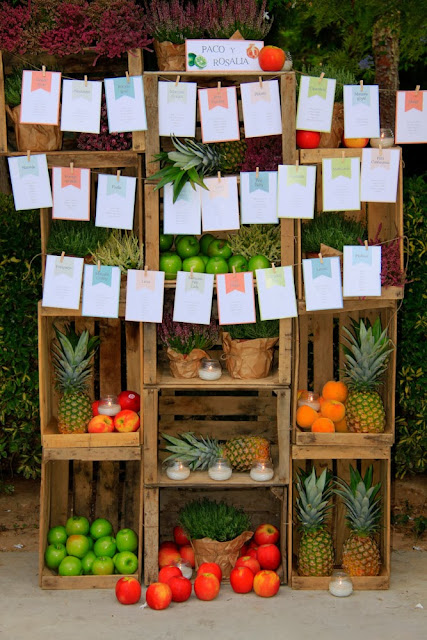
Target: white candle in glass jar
108, 406
185, 568
261, 473
340, 584
210, 370
386, 139
178, 470
220, 470
309, 399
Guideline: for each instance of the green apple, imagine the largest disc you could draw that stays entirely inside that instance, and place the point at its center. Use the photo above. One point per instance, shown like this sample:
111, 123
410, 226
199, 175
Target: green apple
219, 247
239, 263
77, 545
126, 540
57, 535
204, 258
105, 546
205, 241
258, 262
196, 262
165, 241
126, 563
77, 525
187, 247
54, 555
100, 527
91, 543
87, 562
103, 566
70, 566
170, 263
178, 238
217, 265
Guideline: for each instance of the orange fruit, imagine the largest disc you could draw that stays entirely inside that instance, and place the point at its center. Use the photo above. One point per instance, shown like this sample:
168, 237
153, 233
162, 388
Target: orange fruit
333, 410
323, 425
341, 426
305, 416
335, 391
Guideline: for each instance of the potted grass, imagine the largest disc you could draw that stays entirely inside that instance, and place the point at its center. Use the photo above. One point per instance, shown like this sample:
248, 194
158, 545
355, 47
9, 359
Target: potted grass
78, 239
328, 233
217, 531
122, 249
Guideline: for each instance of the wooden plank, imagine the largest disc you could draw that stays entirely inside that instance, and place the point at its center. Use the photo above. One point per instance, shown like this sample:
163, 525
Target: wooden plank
152, 232
368, 583
45, 388
284, 373
150, 409
322, 351
89, 159
93, 453
83, 481
51, 581
336, 452
45, 492
3, 125
152, 134
306, 438
109, 356
106, 492
208, 405
341, 529
151, 535
59, 492
136, 68
150, 353
283, 433
166, 380
315, 156
45, 222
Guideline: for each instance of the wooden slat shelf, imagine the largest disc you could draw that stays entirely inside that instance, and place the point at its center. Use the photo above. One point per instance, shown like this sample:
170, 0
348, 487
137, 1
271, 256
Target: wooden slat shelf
49, 580
337, 452
51, 438
306, 438
167, 381
85, 159
360, 583
232, 75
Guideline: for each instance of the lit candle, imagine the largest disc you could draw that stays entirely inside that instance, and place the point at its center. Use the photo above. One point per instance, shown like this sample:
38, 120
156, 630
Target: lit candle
210, 369
309, 399
262, 470
108, 406
178, 470
386, 139
220, 469
340, 584
185, 568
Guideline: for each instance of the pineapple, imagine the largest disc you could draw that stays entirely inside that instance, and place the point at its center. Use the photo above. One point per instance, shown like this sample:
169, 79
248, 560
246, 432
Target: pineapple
72, 357
361, 556
366, 354
201, 452
316, 550
232, 155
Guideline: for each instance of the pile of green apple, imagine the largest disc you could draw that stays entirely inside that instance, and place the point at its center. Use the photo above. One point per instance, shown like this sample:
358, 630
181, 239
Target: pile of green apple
206, 255
90, 549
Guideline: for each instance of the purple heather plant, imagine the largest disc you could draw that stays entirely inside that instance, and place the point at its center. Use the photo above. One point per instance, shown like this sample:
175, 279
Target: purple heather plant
247, 16
264, 152
183, 337
104, 141
391, 272
175, 20
13, 23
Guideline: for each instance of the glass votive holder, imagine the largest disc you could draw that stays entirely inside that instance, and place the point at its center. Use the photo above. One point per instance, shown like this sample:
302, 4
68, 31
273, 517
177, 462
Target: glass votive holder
185, 568
210, 369
386, 139
178, 469
220, 469
309, 399
262, 470
340, 584
109, 406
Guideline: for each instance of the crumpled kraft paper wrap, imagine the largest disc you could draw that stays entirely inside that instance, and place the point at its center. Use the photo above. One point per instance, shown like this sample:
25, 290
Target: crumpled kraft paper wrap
247, 359
170, 56
223, 553
330, 252
185, 366
332, 140
34, 137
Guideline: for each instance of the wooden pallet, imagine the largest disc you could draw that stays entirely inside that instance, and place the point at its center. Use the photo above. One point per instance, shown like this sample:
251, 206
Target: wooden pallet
161, 508
108, 489
338, 462
118, 366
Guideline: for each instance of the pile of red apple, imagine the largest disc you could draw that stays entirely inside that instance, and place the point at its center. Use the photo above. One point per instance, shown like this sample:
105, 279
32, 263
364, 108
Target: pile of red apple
126, 421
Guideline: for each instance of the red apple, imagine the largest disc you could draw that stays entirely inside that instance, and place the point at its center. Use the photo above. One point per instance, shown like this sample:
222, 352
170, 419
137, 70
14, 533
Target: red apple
308, 139
210, 567
158, 596
187, 554
252, 553
266, 534
168, 556
126, 421
180, 536
241, 580
244, 550
95, 406
180, 587
266, 583
168, 544
253, 544
250, 563
206, 586
101, 424
129, 400
271, 58
269, 556
168, 572
128, 590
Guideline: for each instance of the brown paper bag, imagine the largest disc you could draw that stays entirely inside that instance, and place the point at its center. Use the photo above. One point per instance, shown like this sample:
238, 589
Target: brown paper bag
170, 56
223, 553
330, 252
332, 140
185, 366
34, 137
246, 359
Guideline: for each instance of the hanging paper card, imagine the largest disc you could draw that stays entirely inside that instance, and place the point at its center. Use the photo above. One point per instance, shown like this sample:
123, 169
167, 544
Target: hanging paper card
261, 108
411, 117
115, 202
71, 193
236, 299
276, 293
40, 97
220, 204
125, 104
101, 291
322, 284
177, 109
218, 114
30, 182
296, 188
362, 271
62, 282
222, 55
183, 216
341, 184
144, 296
379, 176
193, 297
315, 103
258, 197
81, 106
361, 111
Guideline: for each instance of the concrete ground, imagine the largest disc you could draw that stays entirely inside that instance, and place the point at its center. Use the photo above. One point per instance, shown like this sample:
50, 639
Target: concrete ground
28, 612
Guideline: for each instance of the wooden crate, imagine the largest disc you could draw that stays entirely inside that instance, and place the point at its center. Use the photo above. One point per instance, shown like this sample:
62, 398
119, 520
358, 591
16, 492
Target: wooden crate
74, 66
222, 414
319, 358
161, 508
74, 483
117, 366
339, 465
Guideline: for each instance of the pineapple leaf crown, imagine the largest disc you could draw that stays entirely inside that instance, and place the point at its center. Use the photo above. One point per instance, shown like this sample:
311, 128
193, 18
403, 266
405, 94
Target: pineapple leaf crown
366, 352
72, 357
198, 452
313, 501
362, 501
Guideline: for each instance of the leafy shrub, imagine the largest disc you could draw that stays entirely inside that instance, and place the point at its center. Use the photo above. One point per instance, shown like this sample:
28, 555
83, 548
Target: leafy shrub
20, 289
411, 401
216, 520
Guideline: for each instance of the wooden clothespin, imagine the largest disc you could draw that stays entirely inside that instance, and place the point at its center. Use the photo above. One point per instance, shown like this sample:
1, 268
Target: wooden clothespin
178, 78
320, 258
43, 70
218, 87
118, 175
145, 270
99, 265
28, 155
234, 270
85, 80
127, 76
296, 165
260, 82
322, 75
61, 259
191, 272
417, 88
380, 149
366, 245
342, 155
257, 172
219, 176
72, 167
361, 85
273, 266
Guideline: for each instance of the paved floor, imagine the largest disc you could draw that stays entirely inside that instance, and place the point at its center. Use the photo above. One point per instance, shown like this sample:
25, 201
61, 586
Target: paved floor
26, 612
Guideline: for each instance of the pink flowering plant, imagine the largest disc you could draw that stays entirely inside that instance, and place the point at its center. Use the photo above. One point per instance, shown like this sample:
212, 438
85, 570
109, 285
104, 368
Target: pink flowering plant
175, 20
183, 337
104, 141
392, 274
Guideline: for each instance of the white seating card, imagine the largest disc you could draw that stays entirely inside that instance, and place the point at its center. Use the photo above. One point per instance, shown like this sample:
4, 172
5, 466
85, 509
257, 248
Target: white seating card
101, 291
144, 296
185, 215
276, 293
236, 298
220, 204
362, 271
71, 193
218, 114
322, 284
177, 109
115, 202
62, 282
81, 106
315, 103
379, 175
125, 104
341, 184
261, 108
30, 182
193, 297
361, 111
411, 117
40, 97
258, 197
296, 189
